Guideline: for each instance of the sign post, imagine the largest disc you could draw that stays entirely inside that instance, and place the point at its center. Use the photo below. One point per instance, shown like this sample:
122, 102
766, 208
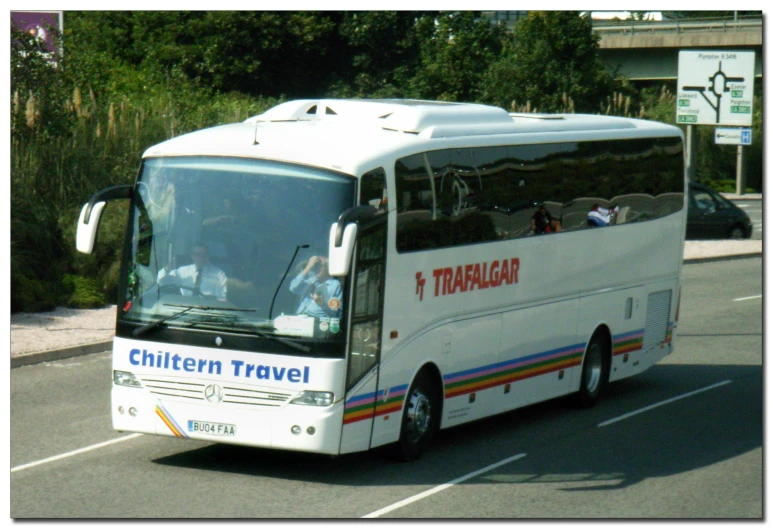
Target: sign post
717, 88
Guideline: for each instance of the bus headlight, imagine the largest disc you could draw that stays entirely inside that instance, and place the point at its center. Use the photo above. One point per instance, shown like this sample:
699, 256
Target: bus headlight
313, 398
124, 378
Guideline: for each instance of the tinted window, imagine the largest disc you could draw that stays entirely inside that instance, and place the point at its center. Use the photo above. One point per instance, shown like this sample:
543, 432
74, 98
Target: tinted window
373, 189
464, 196
437, 202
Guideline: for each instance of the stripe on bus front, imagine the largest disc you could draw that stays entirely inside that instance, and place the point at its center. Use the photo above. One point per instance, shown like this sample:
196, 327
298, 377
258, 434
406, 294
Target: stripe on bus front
165, 416
480, 378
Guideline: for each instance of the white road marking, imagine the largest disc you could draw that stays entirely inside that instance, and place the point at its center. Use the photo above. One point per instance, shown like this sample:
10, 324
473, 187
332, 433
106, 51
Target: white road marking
430, 492
749, 297
75, 452
642, 410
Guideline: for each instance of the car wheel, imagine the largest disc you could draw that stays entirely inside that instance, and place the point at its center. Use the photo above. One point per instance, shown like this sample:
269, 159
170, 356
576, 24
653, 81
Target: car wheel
737, 232
421, 418
595, 372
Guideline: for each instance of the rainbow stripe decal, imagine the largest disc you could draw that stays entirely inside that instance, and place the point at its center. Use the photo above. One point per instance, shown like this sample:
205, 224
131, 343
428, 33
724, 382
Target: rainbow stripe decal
481, 378
627, 342
370, 405
169, 421
670, 333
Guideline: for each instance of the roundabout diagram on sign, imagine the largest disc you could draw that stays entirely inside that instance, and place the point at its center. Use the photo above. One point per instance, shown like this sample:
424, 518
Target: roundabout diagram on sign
719, 86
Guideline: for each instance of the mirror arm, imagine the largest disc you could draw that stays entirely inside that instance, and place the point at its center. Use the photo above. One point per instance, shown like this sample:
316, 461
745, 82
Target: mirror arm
355, 214
124, 191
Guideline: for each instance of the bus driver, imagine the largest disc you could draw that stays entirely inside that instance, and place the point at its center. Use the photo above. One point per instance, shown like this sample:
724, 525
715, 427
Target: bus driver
198, 278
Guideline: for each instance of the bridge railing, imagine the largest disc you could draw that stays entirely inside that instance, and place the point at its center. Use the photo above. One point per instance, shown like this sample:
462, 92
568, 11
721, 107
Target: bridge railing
631, 27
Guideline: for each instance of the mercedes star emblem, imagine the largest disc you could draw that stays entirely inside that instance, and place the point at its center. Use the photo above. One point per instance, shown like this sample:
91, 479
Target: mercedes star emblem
213, 393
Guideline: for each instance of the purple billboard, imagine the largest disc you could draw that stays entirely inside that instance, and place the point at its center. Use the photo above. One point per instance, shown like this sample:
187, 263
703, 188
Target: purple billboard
38, 23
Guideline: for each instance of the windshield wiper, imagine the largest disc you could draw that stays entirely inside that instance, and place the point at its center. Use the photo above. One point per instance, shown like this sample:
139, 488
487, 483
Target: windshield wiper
139, 331
295, 254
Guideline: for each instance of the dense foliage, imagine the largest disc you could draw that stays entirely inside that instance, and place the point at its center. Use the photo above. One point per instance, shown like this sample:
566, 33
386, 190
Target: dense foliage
551, 58
129, 79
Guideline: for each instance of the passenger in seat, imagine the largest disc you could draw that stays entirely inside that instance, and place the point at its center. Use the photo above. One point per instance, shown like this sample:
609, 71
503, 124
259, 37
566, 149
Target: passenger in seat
599, 217
543, 222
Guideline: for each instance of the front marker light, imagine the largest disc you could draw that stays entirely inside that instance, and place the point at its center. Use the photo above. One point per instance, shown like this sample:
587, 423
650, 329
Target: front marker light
313, 398
124, 378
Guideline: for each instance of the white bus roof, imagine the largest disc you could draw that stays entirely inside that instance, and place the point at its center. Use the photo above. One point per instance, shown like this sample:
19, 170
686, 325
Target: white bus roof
349, 135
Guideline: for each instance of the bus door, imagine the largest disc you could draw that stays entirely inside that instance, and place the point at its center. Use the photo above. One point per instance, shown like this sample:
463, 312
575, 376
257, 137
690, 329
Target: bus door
365, 340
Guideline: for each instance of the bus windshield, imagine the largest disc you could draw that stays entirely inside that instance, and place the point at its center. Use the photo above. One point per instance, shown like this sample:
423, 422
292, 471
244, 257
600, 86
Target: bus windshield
234, 245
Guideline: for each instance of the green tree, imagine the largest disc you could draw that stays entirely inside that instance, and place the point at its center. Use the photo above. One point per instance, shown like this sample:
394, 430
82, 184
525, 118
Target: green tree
456, 49
252, 52
550, 63
381, 50
38, 115
38, 88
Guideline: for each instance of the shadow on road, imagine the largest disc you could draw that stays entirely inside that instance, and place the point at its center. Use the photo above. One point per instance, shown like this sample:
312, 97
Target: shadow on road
562, 444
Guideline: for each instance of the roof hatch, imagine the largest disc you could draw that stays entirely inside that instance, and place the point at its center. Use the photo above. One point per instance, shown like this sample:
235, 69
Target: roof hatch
411, 116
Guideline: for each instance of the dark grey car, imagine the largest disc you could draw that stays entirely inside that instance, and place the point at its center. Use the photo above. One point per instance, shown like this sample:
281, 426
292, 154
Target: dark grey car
711, 216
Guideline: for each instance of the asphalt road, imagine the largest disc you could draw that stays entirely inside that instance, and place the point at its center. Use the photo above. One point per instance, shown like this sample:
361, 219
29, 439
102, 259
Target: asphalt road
691, 449
753, 208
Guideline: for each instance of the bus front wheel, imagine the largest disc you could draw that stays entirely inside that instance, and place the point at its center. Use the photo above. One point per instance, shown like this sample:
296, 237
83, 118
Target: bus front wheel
420, 419
595, 372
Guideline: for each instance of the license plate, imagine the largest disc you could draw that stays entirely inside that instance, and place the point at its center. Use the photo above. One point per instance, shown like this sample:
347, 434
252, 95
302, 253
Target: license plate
211, 428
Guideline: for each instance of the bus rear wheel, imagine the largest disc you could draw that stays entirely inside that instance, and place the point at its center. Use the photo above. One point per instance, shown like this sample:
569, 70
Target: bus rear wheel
595, 372
421, 417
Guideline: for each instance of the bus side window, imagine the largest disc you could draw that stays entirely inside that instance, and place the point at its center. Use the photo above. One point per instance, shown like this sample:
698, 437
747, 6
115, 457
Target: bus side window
373, 190
535, 179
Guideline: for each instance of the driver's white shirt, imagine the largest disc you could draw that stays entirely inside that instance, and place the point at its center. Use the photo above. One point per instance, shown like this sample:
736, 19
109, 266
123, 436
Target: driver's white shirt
213, 280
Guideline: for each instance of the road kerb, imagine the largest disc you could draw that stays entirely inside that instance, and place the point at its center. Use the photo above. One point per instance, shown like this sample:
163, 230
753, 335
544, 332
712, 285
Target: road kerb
717, 258
60, 354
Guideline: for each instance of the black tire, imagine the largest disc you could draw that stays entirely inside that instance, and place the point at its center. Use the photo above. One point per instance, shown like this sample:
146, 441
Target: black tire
736, 232
595, 372
421, 417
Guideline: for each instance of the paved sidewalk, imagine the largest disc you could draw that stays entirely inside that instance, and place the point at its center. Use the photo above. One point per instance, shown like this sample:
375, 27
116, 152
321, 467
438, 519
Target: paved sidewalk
64, 333
745, 196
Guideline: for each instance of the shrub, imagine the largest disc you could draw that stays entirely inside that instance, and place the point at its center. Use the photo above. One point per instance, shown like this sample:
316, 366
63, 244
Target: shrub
32, 295
84, 293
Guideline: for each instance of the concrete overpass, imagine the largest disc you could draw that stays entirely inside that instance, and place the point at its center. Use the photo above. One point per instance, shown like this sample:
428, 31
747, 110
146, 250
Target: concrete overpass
647, 51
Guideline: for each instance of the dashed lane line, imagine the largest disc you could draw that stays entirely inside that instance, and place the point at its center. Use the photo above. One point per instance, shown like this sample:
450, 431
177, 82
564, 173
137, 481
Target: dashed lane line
662, 403
439, 488
748, 297
75, 452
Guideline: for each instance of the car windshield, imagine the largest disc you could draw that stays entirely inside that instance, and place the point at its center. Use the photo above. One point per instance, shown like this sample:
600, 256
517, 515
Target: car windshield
234, 244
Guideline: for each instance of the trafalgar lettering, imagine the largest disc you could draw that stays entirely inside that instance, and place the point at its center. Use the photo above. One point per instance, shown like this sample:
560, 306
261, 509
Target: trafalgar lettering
470, 277
239, 368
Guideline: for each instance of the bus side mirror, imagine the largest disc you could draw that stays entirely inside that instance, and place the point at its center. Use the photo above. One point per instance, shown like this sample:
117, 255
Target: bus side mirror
343, 235
88, 222
339, 257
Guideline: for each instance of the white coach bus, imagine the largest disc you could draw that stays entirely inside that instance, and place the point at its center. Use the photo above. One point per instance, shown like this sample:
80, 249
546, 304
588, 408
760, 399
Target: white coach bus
336, 275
